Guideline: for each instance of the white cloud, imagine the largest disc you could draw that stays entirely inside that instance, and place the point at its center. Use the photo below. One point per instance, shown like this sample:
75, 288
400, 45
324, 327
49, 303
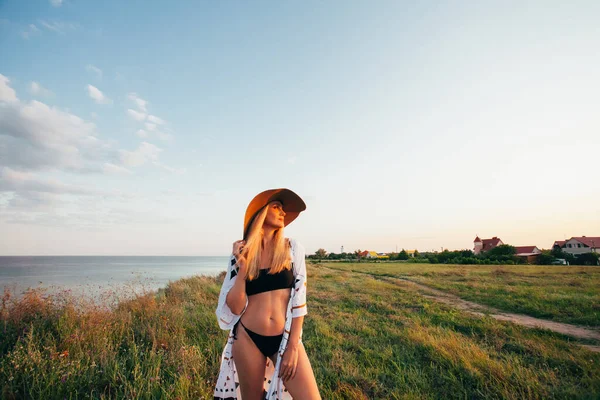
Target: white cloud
18, 181
59, 26
145, 152
97, 95
292, 160
36, 139
156, 120
95, 70
152, 121
138, 116
30, 31
7, 94
29, 194
38, 90
178, 171
139, 102
111, 168
56, 3
34, 136
30, 203
142, 133
164, 136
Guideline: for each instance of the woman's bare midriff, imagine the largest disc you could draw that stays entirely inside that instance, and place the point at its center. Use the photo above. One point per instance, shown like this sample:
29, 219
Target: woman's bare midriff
265, 313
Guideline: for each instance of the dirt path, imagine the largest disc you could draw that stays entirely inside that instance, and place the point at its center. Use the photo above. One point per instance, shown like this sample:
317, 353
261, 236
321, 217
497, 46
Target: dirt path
579, 332
575, 331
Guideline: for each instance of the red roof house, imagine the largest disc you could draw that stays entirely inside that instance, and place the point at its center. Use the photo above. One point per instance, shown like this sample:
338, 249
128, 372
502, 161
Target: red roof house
580, 245
527, 250
592, 242
485, 244
528, 253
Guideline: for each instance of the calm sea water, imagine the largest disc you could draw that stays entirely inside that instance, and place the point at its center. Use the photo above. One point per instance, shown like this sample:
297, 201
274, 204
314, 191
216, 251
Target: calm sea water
92, 275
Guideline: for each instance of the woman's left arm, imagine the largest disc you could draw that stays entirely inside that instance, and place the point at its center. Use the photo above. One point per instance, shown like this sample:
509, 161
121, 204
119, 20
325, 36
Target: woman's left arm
290, 356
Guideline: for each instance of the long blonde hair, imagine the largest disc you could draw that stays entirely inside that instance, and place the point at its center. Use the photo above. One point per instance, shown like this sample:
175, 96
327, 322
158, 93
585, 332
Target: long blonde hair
278, 260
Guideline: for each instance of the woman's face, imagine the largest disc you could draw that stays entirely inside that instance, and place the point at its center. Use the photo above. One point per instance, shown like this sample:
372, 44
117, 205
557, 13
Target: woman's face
275, 215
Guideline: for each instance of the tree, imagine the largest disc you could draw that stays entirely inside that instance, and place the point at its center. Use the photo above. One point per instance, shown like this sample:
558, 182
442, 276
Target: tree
587, 259
416, 254
320, 254
502, 250
403, 255
357, 254
546, 258
557, 252
467, 253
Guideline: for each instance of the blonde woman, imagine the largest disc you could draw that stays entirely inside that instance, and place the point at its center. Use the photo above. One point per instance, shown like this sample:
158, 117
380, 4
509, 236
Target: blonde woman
263, 303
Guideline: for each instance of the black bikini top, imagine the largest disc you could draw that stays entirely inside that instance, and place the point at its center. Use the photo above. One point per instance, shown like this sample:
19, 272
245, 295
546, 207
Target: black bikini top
266, 282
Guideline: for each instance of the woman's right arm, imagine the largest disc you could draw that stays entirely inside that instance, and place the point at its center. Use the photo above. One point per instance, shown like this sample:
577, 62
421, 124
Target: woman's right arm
236, 298
227, 316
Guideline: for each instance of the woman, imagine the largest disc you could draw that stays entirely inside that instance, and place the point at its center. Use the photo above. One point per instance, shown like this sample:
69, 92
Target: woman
263, 304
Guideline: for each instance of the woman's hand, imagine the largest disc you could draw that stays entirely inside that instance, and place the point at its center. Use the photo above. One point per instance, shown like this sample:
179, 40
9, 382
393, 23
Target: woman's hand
240, 255
289, 362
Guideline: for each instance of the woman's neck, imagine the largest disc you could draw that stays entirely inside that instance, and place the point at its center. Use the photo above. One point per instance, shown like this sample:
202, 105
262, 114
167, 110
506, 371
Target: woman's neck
268, 235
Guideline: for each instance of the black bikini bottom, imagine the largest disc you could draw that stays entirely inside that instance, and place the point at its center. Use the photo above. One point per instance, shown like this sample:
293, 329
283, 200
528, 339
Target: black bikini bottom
268, 345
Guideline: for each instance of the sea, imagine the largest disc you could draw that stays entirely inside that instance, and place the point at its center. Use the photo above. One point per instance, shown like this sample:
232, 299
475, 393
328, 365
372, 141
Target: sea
100, 278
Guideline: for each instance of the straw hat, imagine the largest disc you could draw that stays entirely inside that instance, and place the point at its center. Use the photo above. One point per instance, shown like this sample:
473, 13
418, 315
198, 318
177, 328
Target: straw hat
293, 205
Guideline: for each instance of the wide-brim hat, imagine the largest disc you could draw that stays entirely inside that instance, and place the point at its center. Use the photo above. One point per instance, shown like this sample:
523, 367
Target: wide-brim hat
293, 205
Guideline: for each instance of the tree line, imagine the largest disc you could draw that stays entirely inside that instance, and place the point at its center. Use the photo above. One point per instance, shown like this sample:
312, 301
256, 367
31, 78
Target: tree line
503, 254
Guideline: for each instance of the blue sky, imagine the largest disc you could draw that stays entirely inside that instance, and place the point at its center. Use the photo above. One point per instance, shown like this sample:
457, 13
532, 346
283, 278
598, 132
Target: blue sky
146, 127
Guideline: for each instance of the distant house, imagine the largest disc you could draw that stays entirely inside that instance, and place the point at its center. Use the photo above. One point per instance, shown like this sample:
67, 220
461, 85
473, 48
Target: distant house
528, 253
369, 254
363, 254
579, 245
372, 254
484, 245
411, 253
559, 244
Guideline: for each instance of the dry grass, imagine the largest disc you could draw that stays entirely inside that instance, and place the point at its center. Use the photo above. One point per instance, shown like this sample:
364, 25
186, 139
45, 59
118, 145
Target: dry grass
366, 338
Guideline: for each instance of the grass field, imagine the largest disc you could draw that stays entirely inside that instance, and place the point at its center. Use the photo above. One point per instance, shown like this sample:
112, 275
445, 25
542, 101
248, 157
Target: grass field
563, 294
366, 338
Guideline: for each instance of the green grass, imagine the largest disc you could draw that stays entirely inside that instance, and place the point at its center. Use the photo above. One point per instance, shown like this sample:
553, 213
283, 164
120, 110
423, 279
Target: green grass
563, 294
366, 339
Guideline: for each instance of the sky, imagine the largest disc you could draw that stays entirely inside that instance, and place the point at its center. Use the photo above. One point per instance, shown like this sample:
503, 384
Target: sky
146, 127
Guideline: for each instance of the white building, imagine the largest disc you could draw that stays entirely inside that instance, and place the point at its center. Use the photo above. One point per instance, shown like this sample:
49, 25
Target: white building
580, 245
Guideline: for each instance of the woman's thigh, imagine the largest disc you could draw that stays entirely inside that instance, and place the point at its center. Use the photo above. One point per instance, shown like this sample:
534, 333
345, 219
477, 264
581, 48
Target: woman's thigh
303, 385
250, 364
